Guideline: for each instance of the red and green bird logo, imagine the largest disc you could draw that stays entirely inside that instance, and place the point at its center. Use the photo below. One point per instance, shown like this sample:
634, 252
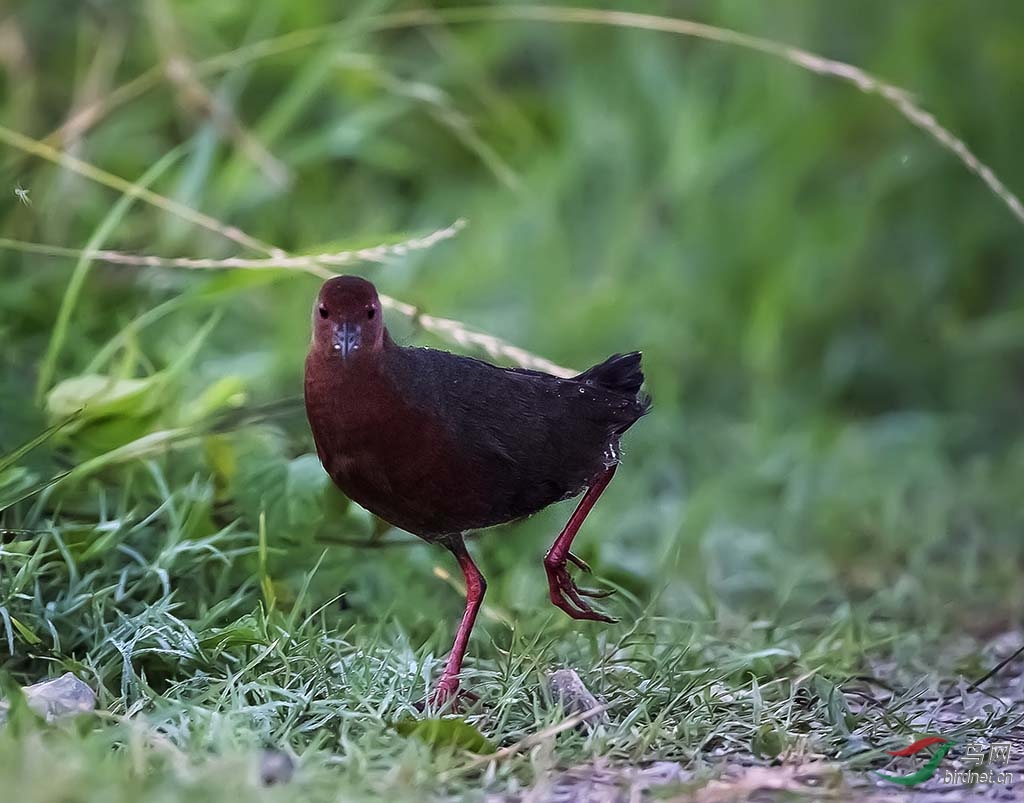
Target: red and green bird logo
928, 770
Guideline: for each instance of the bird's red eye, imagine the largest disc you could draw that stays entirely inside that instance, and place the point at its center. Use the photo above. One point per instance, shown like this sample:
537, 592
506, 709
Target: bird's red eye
323, 311
370, 313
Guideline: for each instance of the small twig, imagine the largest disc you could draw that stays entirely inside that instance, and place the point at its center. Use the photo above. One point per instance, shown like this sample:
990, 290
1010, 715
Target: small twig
976, 685
460, 334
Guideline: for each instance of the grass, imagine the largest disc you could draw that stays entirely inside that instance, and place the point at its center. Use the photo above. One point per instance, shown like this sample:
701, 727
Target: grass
816, 535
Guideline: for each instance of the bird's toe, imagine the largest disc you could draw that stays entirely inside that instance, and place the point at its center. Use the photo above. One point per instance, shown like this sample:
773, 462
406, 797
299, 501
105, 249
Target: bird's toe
567, 596
579, 562
446, 698
596, 593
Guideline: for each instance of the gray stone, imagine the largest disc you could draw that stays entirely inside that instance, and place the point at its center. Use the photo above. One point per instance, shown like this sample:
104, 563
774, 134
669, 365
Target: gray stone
58, 698
567, 689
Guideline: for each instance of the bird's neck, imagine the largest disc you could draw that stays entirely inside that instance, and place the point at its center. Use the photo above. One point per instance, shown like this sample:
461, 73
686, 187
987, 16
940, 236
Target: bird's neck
359, 385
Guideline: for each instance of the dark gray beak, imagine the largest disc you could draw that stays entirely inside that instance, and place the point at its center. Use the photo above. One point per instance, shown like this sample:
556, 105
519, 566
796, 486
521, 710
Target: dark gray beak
346, 338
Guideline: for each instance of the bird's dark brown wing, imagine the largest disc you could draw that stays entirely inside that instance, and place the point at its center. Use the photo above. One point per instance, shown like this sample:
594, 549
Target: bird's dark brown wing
532, 438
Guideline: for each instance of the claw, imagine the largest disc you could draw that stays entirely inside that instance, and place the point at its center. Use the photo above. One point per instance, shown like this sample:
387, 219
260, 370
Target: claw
567, 596
582, 564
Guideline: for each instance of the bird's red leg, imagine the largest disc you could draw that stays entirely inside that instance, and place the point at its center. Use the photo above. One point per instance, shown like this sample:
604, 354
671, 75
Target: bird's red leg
564, 592
448, 686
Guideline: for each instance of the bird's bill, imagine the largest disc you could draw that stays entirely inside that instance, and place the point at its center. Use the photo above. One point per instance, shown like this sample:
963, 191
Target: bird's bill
347, 338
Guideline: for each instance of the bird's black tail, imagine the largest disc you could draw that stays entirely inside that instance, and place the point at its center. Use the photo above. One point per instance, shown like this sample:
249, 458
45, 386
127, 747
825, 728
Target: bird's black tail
620, 373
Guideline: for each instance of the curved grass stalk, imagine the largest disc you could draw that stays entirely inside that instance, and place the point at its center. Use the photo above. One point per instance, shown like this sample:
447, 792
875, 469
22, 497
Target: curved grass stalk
899, 99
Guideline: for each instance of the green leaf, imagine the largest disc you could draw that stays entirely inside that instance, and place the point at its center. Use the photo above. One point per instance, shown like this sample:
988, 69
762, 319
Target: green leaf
222, 459
291, 492
99, 396
259, 475
115, 411
147, 445
447, 732
112, 432
768, 742
838, 712
305, 489
336, 504
226, 393
243, 632
25, 633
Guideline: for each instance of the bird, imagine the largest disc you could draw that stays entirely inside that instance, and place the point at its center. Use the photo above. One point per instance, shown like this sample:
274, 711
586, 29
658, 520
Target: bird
440, 445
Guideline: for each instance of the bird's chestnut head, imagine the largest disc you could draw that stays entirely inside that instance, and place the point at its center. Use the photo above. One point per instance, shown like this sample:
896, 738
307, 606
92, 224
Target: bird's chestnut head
347, 320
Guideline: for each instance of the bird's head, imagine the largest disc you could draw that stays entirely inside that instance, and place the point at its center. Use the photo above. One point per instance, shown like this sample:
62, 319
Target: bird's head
347, 320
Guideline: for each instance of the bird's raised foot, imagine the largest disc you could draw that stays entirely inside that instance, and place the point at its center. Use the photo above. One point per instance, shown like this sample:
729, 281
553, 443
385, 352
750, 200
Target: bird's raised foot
568, 596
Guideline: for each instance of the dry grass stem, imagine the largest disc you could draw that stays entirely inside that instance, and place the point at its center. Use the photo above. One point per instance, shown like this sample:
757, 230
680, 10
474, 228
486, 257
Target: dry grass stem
529, 741
898, 98
37, 148
312, 263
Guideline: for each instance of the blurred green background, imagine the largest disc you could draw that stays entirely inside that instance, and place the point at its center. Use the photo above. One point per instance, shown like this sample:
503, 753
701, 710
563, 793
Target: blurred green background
830, 306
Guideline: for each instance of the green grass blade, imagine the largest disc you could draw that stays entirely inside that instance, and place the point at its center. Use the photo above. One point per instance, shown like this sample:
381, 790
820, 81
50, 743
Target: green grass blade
81, 270
9, 460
